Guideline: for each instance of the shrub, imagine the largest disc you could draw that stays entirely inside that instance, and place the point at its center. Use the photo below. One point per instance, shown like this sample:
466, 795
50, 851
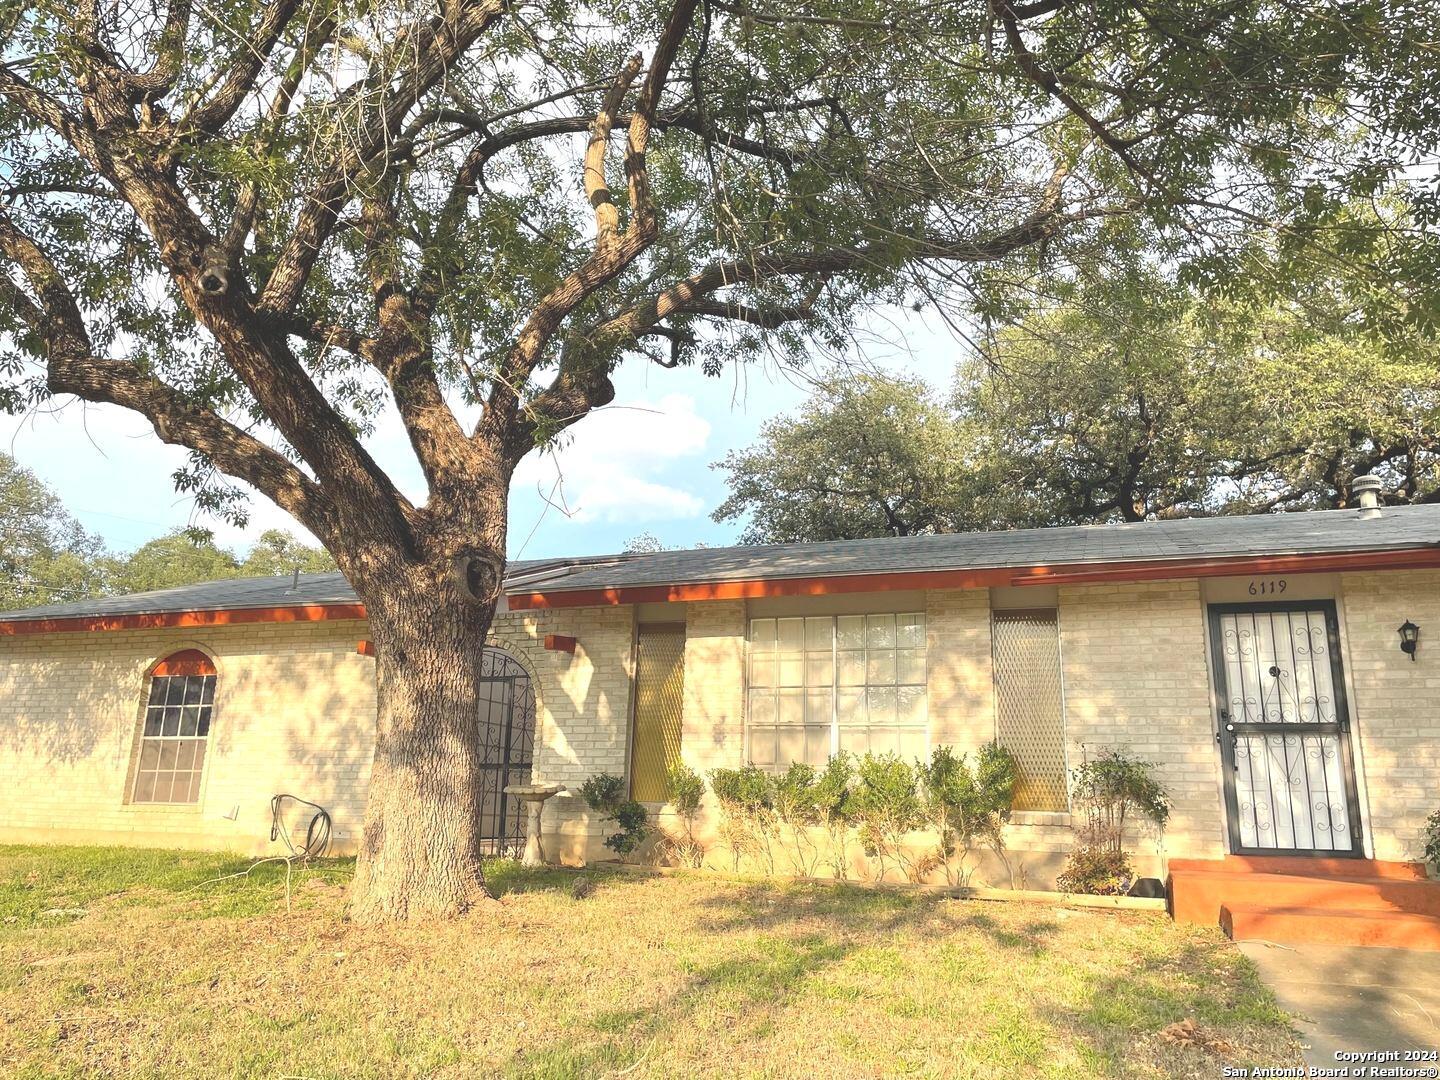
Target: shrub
746, 816
792, 796
605, 794
1116, 786
969, 805
887, 806
1097, 871
834, 807
1432, 839
1108, 791
686, 792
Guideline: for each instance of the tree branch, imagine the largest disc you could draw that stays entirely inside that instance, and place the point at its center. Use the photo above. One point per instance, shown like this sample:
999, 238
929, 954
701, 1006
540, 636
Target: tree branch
72, 368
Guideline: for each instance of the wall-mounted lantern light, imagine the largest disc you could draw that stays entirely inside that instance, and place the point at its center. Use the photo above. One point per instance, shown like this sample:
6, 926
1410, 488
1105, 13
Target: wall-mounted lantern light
1409, 638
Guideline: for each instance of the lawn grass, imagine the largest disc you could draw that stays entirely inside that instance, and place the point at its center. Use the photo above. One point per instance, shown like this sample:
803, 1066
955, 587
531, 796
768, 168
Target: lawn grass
169, 973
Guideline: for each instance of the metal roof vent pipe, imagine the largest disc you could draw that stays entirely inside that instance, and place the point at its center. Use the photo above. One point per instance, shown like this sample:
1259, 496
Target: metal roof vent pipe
1367, 489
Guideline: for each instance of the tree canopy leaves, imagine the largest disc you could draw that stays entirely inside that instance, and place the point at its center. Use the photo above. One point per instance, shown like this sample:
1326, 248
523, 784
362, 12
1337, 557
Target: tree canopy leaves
1137, 399
256, 222
47, 557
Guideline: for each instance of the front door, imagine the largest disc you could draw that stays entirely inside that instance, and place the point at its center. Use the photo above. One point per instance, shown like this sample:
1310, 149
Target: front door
1284, 729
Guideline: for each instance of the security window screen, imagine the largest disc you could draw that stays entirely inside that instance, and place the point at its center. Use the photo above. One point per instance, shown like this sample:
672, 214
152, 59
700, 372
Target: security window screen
1029, 705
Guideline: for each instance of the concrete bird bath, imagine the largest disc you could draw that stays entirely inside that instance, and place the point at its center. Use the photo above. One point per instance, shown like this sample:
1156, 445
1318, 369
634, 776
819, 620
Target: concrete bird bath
533, 796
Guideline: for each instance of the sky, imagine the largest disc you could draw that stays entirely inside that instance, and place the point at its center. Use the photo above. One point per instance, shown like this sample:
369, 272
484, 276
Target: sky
641, 465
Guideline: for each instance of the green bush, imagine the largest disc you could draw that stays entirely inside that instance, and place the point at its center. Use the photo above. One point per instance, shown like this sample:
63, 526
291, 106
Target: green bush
686, 792
605, 794
968, 806
1096, 871
792, 796
745, 812
834, 800
1113, 788
1432, 839
886, 807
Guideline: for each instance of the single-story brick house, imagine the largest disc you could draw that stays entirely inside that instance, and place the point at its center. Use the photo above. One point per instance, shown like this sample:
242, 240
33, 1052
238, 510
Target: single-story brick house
1255, 660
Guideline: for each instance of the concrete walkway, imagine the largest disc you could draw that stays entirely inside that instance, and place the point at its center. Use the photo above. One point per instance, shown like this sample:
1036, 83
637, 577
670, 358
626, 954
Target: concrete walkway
1354, 999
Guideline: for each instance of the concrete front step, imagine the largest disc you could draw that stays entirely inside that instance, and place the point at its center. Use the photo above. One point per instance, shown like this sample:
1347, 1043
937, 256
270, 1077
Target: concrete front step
1330, 926
1196, 896
1302, 866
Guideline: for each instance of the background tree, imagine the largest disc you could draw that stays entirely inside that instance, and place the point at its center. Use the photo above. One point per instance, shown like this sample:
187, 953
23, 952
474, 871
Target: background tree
46, 557
277, 553
866, 456
1139, 400
254, 221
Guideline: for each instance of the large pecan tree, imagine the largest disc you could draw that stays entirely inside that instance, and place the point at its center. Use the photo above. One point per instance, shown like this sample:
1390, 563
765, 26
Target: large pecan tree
254, 221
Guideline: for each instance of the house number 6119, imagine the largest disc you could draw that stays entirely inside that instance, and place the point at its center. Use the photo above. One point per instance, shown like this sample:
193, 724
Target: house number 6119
1267, 587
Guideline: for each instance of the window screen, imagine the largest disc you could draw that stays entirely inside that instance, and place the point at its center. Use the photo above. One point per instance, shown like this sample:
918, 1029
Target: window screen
828, 683
173, 738
1029, 705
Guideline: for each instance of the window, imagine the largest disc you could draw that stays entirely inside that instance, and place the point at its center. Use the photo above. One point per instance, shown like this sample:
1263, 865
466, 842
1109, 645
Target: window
175, 730
1030, 705
823, 684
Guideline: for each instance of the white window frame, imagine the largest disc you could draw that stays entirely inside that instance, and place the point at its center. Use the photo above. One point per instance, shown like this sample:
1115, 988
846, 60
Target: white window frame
204, 714
765, 661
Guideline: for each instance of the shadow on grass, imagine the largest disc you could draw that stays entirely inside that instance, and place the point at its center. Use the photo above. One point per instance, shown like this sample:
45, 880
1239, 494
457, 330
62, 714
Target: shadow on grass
1036, 997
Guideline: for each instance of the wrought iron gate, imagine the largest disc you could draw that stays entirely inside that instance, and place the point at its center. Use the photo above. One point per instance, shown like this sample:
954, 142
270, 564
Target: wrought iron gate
507, 743
1284, 729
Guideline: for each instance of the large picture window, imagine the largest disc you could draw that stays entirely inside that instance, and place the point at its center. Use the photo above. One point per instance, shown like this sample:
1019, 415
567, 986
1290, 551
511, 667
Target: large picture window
175, 730
823, 684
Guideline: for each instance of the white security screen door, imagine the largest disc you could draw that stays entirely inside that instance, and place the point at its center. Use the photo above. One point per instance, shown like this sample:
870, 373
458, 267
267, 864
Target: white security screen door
1284, 730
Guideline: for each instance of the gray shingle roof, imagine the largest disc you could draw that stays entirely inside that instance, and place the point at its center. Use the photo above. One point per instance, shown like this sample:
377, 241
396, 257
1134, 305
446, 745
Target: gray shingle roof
1315, 532
1320, 532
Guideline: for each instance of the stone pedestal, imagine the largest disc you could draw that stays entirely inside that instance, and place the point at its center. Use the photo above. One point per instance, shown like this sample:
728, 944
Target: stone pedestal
533, 796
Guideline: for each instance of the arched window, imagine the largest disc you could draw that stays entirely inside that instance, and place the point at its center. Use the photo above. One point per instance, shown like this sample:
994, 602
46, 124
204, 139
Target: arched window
176, 729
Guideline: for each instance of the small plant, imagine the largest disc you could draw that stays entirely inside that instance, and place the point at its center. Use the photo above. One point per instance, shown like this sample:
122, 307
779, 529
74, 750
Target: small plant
1096, 871
686, 792
833, 796
887, 807
1108, 791
792, 795
1432, 839
605, 794
969, 806
745, 812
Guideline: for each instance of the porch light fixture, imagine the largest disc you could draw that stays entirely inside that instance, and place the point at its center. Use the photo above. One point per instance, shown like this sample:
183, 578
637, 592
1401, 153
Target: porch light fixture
1409, 638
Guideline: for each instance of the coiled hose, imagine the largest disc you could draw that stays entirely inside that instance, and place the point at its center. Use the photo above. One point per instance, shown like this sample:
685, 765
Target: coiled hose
317, 833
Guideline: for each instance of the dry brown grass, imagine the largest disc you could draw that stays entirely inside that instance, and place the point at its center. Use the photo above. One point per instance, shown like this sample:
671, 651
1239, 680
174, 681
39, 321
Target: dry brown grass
685, 975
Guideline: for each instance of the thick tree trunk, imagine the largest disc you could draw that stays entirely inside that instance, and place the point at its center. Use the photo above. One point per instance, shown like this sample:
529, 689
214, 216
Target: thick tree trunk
419, 857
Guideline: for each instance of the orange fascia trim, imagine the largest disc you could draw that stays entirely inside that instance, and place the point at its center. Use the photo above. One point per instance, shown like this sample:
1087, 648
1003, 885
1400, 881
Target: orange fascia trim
1074, 573
751, 590
172, 619
1267, 565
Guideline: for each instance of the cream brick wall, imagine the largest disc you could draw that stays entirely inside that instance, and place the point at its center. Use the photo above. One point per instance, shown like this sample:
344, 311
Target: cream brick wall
582, 711
1396, 706
959, 689
713, 726
1136, 676
294, 712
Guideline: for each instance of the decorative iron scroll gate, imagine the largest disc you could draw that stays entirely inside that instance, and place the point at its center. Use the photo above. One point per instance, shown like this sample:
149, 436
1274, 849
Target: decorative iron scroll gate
507, 743
1284, 729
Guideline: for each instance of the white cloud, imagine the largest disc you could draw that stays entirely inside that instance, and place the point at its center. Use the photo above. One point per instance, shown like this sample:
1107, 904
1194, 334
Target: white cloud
612, 467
